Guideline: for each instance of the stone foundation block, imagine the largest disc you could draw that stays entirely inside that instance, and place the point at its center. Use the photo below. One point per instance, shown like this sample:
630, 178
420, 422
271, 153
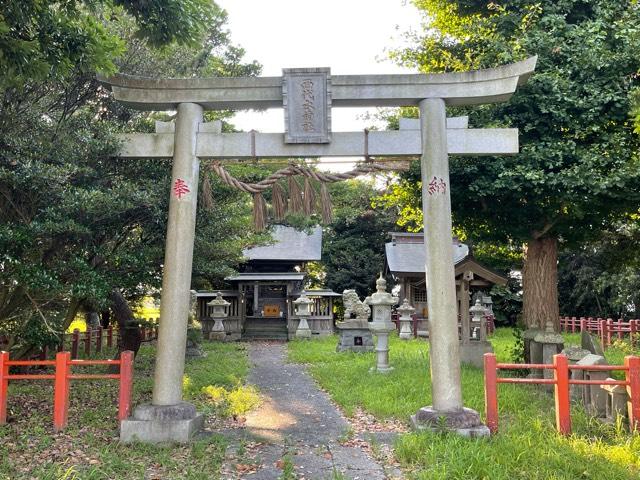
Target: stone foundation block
161, 423
465, 422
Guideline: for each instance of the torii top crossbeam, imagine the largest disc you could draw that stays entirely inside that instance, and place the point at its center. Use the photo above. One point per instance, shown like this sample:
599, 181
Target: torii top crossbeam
221, 93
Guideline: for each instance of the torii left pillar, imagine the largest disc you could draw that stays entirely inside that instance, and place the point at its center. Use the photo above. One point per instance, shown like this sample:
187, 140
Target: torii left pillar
168, 418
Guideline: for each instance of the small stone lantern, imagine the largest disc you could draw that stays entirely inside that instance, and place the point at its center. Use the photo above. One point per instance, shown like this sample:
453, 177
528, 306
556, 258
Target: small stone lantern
405, 311
381, 303
552, 343
220, 312
478, 319
303, 310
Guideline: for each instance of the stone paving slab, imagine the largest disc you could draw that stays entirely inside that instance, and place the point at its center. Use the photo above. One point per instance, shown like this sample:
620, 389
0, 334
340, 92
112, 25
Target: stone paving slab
297, 423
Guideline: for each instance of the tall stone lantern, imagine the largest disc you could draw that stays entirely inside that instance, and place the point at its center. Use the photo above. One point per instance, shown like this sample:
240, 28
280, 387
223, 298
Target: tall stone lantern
303, 310
220, 312
381, 302
405, 311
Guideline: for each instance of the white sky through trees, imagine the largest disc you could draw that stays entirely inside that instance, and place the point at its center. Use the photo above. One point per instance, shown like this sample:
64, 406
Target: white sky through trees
349, 36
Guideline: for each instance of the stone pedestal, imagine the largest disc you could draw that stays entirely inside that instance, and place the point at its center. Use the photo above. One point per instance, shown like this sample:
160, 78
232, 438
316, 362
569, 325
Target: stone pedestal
354, 336
161, 423
303, 330
472, 352
574, 355
382, 332
217, 331
551, 343
465, 422
593, 397
617, 401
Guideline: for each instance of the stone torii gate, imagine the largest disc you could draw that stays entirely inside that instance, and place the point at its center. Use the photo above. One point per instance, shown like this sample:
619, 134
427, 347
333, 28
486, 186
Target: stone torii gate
307, 96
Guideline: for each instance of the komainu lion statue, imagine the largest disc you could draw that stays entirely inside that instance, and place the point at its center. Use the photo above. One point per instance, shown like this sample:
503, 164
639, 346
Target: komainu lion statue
353, 307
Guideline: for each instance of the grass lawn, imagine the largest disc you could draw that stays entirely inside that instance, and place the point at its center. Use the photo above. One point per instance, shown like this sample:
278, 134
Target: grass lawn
89, 447
526, 446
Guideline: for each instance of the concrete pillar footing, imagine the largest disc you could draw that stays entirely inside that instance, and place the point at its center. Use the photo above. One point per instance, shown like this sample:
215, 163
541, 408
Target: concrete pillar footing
161, 423
465, 422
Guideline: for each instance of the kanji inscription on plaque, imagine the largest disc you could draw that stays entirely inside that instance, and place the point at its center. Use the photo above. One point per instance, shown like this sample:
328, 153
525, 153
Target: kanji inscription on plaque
306, 96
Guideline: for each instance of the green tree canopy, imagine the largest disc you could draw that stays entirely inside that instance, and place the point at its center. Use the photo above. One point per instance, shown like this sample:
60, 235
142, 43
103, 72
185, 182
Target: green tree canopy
578, 169
77, 223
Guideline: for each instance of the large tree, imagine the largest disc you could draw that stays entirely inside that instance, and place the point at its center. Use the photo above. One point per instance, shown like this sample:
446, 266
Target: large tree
77, 224
578, 169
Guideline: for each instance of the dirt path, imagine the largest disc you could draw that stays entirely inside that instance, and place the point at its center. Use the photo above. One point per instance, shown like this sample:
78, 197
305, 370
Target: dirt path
297, 432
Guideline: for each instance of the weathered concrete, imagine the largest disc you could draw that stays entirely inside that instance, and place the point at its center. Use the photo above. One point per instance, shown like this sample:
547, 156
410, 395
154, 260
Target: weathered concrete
221, 93
397, 143
155, 424
176, 279
443, 320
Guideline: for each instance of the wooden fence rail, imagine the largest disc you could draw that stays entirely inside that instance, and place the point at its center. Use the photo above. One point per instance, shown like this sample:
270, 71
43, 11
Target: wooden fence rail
62, 376
561, 381
606, 329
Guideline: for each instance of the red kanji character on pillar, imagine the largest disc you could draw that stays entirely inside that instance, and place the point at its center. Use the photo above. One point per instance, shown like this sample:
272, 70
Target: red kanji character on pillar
180, 188
433, 186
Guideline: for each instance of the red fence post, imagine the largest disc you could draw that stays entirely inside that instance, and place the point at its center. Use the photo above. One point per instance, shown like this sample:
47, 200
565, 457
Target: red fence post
126, 384
563, 406
491, 391
99, 340
87, 342
4, 386
61, 391
74, 344
110, 336
633, 389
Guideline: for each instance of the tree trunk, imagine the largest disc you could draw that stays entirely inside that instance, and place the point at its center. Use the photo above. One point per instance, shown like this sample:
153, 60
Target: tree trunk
540, 283
130, 338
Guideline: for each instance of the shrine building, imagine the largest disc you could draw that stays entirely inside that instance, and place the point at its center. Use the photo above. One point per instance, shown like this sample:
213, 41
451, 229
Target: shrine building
263, 291
405, 261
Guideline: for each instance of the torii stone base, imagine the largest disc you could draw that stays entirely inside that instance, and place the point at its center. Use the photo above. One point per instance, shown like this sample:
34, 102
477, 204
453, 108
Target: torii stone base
465, 422
156, 423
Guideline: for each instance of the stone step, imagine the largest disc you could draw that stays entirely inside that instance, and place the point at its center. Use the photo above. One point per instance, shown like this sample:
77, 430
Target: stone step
264, 336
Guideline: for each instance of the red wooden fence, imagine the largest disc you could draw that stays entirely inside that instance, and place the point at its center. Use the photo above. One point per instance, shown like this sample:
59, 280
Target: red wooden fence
62, 376
606, 329
97, 338
561, 381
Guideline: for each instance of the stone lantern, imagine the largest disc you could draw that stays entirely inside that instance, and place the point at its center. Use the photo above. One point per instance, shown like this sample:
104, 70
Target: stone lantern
303, 310
405, 311
478, 319
220, 312
474, 343
551, 343
381, 302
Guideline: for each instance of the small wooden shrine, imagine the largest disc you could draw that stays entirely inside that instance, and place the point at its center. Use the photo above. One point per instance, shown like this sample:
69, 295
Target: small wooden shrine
266, 286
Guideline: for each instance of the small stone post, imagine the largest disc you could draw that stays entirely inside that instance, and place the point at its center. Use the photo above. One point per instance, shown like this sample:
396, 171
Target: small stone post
405, 311
303, 310
220, 312
381, 302
552, 343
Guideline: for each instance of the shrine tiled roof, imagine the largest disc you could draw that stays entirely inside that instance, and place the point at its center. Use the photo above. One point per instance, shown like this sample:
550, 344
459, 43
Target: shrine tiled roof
405, 253
290, 245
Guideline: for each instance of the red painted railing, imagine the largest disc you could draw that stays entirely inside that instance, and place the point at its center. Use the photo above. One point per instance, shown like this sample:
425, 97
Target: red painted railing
606, 329
561, 381
62, 377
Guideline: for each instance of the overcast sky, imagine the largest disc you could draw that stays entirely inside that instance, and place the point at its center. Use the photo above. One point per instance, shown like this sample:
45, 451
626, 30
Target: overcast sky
349, 36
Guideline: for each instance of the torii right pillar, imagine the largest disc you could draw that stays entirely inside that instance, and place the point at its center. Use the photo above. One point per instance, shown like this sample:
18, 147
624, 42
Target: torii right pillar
447, 407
